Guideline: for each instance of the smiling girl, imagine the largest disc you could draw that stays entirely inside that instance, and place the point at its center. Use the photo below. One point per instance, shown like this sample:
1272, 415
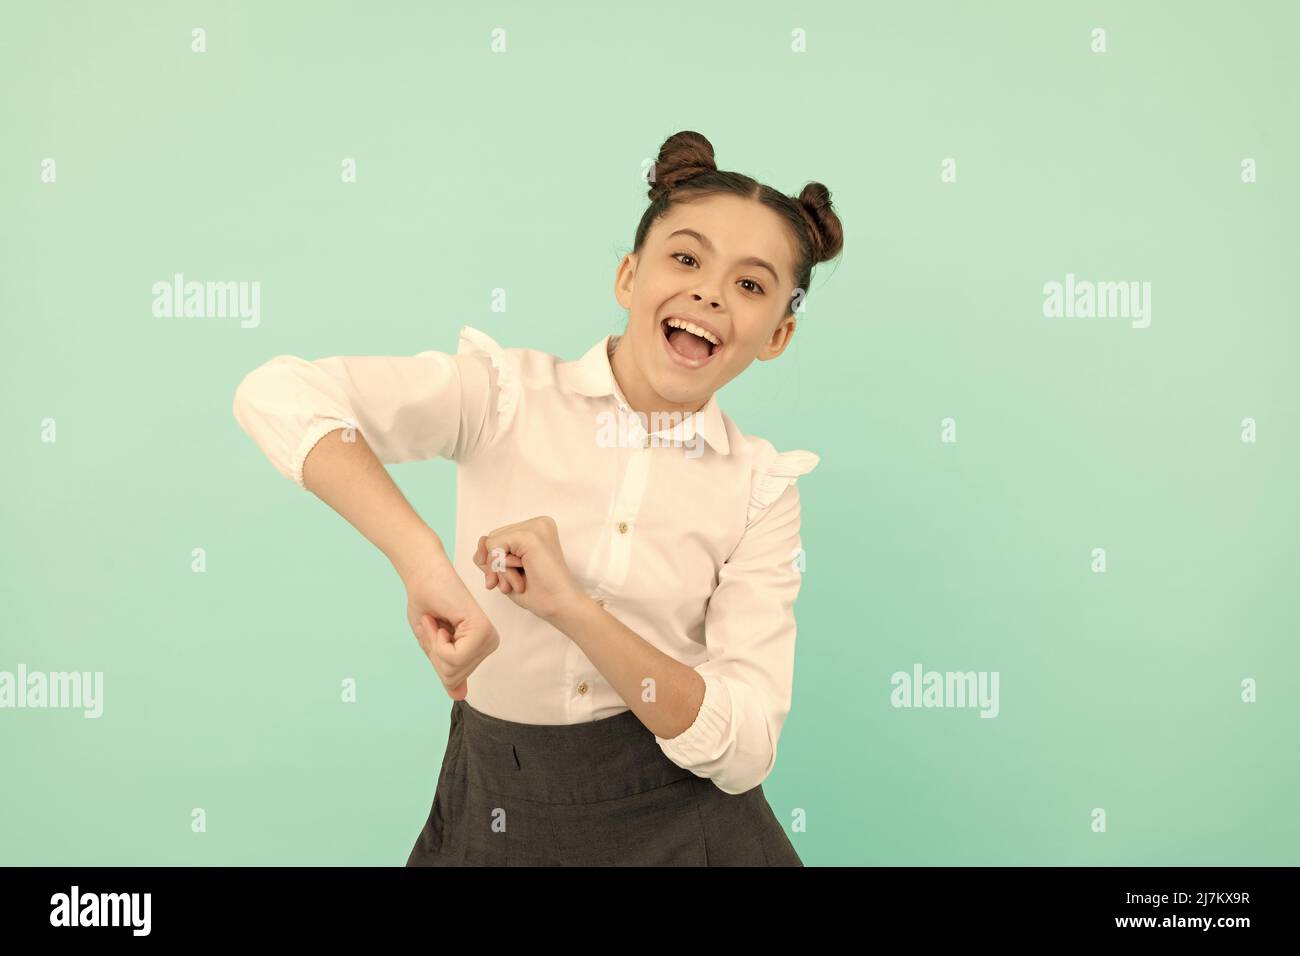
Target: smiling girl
625, 606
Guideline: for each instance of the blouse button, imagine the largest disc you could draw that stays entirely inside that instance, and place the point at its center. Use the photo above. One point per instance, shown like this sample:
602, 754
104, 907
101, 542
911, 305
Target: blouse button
622, 527
582, 688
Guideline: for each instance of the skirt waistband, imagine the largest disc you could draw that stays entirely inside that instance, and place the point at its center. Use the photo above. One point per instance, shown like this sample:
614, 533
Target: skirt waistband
559, 763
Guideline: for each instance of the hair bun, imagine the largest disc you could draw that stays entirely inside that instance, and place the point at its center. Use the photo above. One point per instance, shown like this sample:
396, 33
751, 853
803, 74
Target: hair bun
683, 156
824, 225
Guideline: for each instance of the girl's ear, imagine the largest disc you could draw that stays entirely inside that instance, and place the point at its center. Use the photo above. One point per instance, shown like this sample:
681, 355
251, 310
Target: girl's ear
779, 339
625, 280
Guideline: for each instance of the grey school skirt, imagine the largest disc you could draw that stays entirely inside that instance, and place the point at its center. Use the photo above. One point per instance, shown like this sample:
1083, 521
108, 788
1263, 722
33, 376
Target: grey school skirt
599, 793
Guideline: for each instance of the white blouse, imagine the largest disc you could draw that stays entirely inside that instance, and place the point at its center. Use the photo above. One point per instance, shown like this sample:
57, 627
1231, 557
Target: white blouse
687, 532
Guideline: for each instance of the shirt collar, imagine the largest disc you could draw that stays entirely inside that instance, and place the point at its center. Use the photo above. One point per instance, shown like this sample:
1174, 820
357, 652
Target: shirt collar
593, 376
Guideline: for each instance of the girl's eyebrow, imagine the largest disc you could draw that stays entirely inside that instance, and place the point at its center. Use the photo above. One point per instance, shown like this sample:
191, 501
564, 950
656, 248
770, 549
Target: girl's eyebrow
750, 260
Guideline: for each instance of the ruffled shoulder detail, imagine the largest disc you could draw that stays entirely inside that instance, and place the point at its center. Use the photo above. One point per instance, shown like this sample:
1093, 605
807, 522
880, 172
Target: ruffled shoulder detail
509, 384
773, 474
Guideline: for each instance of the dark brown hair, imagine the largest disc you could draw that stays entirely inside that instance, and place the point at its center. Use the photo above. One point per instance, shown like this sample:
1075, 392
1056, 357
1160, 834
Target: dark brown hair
685, 170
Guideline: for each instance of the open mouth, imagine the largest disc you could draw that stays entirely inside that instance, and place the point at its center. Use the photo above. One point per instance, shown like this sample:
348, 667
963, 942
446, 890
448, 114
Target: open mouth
688, 348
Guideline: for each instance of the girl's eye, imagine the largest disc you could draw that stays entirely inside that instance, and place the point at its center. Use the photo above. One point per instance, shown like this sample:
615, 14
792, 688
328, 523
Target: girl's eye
757, 288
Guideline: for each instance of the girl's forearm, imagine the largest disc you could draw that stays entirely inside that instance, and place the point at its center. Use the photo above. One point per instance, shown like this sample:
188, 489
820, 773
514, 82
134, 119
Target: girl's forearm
348, 477
627, 660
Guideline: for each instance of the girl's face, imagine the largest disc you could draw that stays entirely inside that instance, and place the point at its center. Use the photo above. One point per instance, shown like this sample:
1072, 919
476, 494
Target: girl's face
721, 263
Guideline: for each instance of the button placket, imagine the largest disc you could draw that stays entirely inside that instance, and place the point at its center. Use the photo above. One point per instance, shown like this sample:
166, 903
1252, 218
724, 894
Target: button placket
608, 565
631, 493
580, 677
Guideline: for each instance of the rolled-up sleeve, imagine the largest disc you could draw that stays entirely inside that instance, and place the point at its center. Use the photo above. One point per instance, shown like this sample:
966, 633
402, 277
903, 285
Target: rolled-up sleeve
750, 635
408, 407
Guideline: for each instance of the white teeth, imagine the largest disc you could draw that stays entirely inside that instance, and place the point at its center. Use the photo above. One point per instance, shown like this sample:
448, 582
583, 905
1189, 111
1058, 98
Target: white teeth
677, 323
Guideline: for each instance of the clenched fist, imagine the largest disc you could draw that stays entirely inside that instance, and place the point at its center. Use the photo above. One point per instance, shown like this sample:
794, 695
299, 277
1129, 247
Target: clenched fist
452, 629
527, 562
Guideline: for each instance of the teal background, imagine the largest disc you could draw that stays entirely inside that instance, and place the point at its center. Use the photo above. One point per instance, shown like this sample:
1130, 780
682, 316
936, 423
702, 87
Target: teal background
520, 170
